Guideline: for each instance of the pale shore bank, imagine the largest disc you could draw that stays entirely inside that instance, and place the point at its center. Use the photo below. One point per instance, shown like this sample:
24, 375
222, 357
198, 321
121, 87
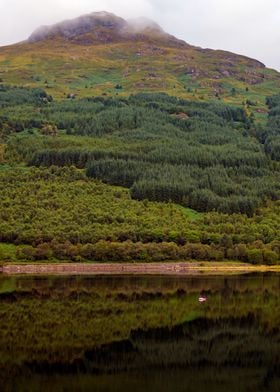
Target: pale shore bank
159, 268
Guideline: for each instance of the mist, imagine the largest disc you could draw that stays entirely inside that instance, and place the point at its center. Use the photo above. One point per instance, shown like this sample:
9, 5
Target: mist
250, 28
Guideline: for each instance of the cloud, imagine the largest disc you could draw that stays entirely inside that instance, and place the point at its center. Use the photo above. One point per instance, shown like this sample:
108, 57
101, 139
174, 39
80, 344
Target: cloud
247, 27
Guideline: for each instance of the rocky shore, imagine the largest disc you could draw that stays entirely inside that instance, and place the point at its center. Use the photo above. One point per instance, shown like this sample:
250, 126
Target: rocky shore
133, 268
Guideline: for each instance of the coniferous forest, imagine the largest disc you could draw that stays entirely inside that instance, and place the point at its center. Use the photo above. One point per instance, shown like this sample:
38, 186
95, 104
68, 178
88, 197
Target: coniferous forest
147, 177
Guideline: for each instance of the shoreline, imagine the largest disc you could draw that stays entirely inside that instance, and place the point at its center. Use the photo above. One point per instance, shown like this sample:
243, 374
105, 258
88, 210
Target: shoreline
155, 268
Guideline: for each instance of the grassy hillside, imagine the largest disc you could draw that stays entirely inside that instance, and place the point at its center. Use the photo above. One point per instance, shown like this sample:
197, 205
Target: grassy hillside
184, 140
99, 63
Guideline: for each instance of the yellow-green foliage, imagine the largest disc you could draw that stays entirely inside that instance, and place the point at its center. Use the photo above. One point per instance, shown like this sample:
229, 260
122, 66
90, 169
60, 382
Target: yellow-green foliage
62, 204
2, 152
66, 68
58, 213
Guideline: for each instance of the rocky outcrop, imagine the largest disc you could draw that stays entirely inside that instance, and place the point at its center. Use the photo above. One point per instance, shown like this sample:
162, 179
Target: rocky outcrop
73, 28
104, 27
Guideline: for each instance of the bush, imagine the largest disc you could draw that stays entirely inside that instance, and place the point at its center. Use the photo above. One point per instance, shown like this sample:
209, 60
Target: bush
255, 256
270, 257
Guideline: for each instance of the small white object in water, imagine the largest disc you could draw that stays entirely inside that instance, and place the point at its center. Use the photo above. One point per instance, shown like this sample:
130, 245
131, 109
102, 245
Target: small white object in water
202, 299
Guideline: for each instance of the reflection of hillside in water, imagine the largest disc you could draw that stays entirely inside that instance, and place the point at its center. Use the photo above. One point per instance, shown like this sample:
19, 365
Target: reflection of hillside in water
224, 353
256, 282
231, 342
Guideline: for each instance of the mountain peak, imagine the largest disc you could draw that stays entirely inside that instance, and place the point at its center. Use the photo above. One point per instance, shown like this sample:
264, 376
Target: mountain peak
84, 24
103, 27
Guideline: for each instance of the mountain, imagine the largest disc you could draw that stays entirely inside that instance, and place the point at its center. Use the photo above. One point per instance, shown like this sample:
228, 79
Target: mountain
101, 53
104, 27
126, 171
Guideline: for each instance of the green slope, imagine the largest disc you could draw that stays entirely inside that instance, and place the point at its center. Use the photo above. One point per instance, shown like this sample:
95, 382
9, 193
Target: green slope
192, 174
97, 61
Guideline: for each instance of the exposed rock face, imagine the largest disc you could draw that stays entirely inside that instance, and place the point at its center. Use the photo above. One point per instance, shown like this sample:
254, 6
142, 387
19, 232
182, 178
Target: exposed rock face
102, 27
84, 24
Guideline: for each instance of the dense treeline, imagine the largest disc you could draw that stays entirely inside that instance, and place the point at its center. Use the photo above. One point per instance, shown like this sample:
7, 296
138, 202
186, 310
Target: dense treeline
16, 107
139, 251
10, 96
204, 189
62, 204
201, 155
271, 136
207, 156
58, 213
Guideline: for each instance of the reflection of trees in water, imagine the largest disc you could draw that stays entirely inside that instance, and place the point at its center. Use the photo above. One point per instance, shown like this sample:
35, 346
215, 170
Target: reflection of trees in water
210, 379
236, 342
235, 332
226, 284
197, 352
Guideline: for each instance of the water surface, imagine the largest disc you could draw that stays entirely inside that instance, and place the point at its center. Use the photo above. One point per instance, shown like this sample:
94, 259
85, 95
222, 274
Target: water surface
129, 333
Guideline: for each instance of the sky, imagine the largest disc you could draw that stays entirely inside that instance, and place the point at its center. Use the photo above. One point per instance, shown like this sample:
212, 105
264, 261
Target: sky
249, 27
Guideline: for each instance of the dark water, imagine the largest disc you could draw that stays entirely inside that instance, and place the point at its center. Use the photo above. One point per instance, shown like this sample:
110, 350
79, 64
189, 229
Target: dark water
140, 333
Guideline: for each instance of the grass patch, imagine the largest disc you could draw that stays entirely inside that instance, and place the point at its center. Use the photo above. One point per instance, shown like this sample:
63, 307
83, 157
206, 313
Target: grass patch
190, 214
8, 252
